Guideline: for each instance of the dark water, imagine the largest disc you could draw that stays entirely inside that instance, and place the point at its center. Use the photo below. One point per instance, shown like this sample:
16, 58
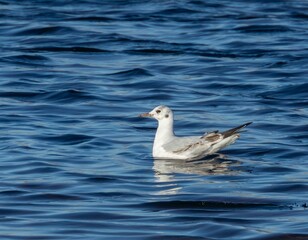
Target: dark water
76, 161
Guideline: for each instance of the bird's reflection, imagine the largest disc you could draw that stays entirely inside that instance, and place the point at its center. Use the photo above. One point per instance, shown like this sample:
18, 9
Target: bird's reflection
165, 169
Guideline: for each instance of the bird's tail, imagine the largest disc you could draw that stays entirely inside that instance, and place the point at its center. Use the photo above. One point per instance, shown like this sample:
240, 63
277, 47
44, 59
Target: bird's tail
235, 130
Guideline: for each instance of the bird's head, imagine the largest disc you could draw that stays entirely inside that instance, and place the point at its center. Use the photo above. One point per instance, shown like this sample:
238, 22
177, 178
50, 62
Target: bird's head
159, 113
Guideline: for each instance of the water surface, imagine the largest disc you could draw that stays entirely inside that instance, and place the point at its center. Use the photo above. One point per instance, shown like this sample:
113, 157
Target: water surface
76, 160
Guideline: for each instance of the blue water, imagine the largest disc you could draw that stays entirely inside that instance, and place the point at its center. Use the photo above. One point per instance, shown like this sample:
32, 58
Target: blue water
75, 158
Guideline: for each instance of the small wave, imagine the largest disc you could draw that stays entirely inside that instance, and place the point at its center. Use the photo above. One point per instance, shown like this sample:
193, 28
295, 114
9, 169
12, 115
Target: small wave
286, 188
277, 64
4, 3
205, 205
67, 139
38, 170
20, 95
298, 91
136, 72
99, 179
44, 31
68, 96
91, 19
13, 193
176, 11
27, 59
263, 29
300, 15
65, 96
94, 216
30, 186
15, 212
283, 236
153, 51
114, 194
67, 49
51, 197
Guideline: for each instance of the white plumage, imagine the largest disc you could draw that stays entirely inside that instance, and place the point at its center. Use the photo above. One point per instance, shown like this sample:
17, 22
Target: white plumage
167, 145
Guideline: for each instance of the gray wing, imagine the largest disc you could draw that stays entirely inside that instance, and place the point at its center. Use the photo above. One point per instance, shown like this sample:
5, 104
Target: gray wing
182, 144
202, 144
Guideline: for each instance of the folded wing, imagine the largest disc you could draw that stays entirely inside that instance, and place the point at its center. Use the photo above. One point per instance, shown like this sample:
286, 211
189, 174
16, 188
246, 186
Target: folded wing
192, 144
197, 145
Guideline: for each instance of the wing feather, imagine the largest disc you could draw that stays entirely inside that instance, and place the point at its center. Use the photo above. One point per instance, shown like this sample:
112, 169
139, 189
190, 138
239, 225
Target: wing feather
208, 143
183, 144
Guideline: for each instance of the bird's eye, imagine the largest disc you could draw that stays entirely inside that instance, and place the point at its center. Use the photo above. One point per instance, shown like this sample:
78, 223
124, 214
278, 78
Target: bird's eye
158, 111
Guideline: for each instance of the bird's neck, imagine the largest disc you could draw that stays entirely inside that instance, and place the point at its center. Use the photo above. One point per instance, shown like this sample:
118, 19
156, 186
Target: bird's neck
164, 131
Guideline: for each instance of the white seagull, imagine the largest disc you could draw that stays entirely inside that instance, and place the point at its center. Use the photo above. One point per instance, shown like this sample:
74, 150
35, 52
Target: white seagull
168, 146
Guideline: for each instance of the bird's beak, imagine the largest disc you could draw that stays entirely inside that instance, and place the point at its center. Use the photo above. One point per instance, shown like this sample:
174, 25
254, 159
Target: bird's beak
146, 115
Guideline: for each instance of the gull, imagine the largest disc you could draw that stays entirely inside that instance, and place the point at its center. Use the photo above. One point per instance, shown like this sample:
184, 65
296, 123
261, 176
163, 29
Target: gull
168, 146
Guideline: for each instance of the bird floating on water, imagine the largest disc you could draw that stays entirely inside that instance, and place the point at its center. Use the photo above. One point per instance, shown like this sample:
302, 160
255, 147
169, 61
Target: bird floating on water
168, 146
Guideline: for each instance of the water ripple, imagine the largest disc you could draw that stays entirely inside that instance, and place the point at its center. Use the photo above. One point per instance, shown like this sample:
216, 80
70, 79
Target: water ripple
76, 159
